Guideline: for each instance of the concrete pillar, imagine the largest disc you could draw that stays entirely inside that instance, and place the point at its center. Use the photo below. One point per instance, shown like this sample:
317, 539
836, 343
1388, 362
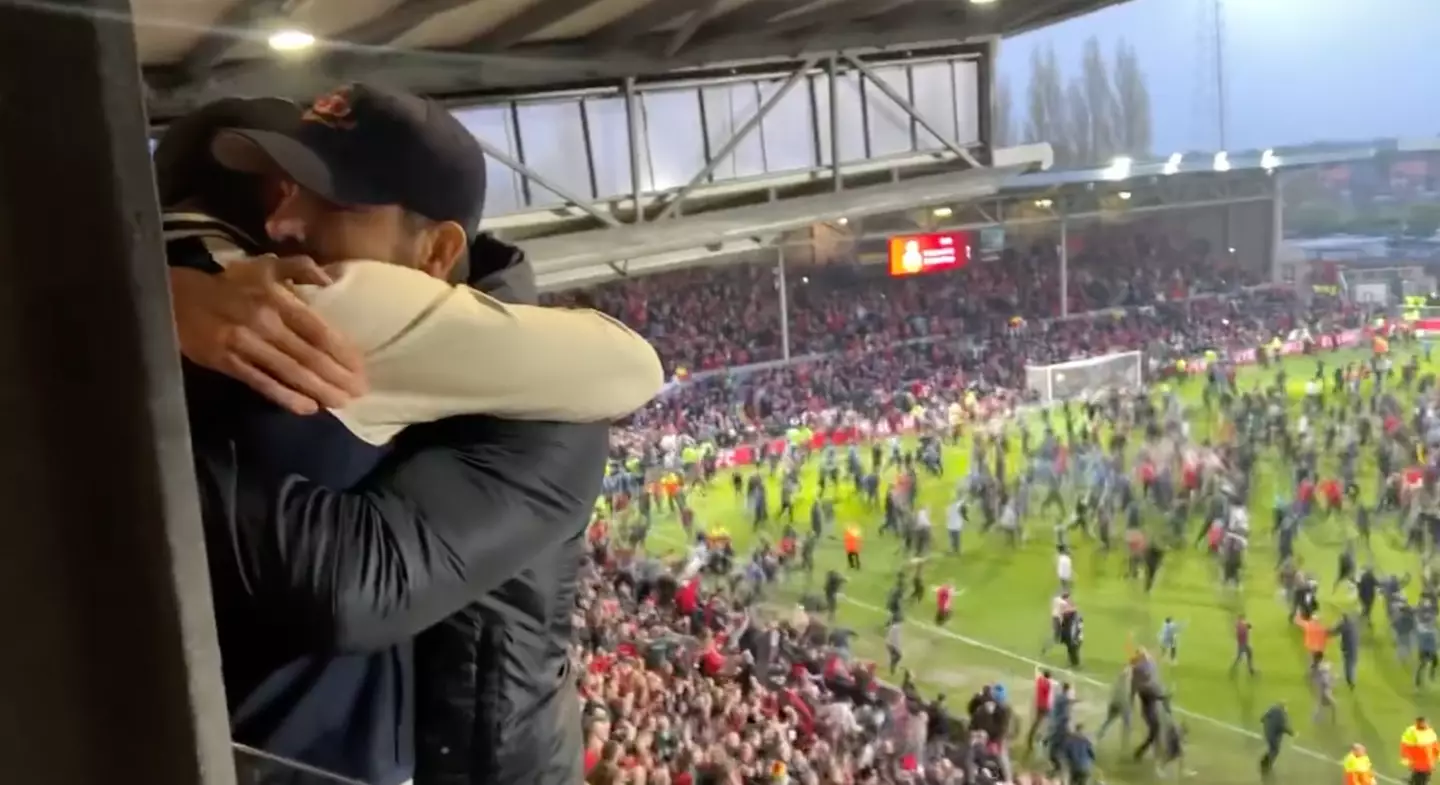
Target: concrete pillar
110, 669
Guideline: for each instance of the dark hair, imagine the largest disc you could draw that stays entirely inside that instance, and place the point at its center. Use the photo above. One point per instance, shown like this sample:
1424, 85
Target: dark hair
186, 172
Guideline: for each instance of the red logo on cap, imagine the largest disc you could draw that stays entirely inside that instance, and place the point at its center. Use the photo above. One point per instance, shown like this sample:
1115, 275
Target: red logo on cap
332, 110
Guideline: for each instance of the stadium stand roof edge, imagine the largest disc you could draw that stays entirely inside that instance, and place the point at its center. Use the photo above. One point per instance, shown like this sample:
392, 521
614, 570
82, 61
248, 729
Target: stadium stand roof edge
196, 51
562, 253
582, 258
1192, 163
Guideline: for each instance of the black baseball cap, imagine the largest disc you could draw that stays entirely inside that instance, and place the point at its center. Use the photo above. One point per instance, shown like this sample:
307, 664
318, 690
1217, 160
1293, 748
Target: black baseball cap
366, 145
182, 156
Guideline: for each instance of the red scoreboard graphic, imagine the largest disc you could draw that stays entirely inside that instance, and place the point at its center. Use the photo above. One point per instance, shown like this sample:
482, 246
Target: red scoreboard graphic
913, 254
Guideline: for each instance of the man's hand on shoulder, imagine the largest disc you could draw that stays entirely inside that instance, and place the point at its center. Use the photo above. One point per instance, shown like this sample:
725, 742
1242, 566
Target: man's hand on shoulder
248, 324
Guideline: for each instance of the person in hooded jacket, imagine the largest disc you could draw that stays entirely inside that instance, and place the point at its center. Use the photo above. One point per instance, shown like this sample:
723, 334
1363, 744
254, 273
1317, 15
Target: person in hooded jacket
330, 554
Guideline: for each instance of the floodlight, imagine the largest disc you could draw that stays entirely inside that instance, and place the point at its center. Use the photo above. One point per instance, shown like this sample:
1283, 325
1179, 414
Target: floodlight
291, 40
1119, 168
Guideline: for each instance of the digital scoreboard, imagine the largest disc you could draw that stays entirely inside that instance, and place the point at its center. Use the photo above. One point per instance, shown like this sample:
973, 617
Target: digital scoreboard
915, 254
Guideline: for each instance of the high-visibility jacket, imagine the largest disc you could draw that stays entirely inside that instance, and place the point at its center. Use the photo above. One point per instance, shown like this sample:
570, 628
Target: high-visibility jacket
1316, 635
1419, 748
852, 541
1358, 770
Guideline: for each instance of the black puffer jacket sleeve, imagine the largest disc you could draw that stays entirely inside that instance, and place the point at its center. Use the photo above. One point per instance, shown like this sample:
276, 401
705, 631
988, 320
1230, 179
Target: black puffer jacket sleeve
459, 507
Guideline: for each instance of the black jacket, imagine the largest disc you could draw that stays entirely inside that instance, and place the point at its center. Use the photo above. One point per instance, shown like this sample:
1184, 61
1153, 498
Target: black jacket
495, 699
322, 582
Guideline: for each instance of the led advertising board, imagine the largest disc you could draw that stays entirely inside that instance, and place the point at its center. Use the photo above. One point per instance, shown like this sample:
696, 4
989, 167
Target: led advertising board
914, 254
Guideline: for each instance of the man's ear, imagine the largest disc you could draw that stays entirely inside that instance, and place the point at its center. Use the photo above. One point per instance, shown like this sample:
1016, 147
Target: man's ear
447, 247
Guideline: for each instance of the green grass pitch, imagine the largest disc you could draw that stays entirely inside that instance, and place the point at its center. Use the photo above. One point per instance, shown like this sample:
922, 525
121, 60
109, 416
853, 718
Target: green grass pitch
1001, 616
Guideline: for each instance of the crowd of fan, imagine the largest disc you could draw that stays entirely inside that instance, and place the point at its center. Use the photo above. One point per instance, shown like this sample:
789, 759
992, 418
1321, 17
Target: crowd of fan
683, 682
683, 686
710, 318
884, 382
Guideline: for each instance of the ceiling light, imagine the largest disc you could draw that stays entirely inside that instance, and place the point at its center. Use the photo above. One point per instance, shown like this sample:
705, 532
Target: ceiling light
291, 40
982, 2
1124, 194
1044, 203
843, 221
942, 212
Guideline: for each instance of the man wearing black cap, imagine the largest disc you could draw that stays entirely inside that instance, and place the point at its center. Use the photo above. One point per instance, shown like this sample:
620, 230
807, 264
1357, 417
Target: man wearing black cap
431, 349
472, 512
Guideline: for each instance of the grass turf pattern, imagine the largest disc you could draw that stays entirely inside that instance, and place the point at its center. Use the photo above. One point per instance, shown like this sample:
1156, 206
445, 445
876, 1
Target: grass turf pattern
1001, 613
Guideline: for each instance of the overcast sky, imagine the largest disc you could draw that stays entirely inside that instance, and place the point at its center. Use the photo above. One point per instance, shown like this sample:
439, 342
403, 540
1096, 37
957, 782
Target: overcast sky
1295, 70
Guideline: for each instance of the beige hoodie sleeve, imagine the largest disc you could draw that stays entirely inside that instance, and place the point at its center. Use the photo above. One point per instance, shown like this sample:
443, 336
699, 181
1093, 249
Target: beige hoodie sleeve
434, 350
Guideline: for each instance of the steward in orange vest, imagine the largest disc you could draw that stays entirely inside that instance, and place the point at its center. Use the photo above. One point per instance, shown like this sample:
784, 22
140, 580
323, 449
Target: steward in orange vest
1419, 750
1358, 770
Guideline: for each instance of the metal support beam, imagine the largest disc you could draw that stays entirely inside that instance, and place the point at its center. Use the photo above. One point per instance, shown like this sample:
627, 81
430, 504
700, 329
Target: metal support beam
546, 183
589, 147
113, 668
739, 136
985, 77
1064, 252
910, 109
529, 21
385, 28
869, 10
635, 133
832, 68
830, 16
652, 15
597, 63
746, 19
1277, 226
784, 292
698, 18
1090, 215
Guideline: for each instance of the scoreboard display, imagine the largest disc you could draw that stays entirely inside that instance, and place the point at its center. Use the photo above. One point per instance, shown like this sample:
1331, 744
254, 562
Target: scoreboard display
915, 254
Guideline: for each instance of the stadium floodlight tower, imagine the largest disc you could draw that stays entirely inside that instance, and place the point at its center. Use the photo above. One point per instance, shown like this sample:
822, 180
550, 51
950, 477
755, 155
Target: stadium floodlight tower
1084, 378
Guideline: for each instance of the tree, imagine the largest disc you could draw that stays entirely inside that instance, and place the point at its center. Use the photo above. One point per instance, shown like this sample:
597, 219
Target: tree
1132, 104
1423, 220
1314, 220
1045, 104
1002, 115
1102, 109
1386, 219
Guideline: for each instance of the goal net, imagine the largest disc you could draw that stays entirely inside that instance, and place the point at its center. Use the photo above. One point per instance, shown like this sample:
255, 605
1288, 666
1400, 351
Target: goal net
1082, 377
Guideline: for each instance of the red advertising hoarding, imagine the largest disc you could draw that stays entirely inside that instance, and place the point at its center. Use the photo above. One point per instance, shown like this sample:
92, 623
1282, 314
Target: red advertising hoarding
913, 254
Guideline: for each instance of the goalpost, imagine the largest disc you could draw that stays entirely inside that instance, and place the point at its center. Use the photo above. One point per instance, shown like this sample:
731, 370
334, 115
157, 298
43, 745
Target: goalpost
1081, 377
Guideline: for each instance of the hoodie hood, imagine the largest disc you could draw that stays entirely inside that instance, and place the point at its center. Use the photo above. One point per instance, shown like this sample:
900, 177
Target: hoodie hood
502, 271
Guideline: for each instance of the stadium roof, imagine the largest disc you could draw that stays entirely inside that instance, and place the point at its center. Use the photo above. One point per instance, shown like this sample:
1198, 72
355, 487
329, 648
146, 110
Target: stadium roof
904, 199
1192, 163
196, 50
